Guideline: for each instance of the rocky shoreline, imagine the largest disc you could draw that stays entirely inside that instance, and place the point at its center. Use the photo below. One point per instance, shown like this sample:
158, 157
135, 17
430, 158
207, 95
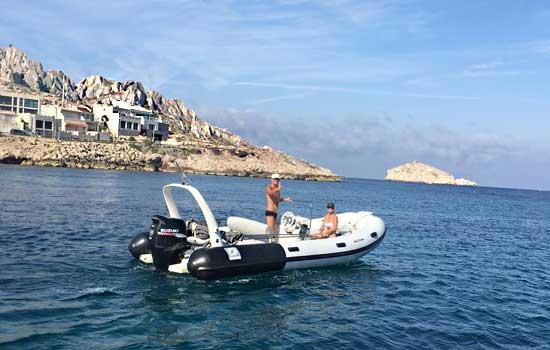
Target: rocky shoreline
138, 156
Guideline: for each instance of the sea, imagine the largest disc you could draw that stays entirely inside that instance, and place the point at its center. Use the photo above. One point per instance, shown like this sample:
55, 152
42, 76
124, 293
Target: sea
460, 268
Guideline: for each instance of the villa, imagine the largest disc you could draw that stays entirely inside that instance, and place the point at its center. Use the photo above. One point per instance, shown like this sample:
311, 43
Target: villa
25, 111
123, 119
19, 110
71, 121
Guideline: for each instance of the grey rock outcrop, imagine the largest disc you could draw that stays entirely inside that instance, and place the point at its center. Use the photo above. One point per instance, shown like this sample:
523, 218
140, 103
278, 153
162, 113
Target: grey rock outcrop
96, 88
16, 67
424, 173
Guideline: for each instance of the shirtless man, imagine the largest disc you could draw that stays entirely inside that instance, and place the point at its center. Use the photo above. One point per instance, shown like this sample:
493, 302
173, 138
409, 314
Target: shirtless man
273, 198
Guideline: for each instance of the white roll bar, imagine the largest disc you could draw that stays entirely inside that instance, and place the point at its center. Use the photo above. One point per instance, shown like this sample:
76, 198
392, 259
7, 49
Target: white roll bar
215, 239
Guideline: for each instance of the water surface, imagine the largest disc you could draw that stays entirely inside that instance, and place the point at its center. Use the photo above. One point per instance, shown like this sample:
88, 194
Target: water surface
460, 268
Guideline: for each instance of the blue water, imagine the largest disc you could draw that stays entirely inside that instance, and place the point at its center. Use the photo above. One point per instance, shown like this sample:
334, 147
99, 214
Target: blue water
460, 268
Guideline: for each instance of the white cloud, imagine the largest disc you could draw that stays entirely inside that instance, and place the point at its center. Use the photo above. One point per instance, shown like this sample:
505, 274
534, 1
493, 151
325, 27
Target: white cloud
367, 146
540, 46
278, 98
352, 90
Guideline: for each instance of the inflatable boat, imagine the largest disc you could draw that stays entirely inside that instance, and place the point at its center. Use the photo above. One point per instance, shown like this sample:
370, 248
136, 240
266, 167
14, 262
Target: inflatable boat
208, 251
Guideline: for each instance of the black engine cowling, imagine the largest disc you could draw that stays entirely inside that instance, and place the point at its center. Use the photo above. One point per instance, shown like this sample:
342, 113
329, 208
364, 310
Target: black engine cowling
167, 241
139, 245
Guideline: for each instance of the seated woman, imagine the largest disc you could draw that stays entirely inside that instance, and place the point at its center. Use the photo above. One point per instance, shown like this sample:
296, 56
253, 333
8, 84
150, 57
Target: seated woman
329, 226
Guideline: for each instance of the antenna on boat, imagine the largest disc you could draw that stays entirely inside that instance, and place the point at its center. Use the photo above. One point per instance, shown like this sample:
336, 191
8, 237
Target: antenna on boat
184, 179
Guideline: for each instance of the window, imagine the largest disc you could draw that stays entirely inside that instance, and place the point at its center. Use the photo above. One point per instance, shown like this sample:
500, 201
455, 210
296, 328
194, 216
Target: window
31, 103
31, 111
39, 124
48, 125
151, 126
5, 108
136, 126
5, 100
122, 124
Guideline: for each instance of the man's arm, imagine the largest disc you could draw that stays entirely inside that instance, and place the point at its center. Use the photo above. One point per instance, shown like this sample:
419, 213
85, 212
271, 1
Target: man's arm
271, 192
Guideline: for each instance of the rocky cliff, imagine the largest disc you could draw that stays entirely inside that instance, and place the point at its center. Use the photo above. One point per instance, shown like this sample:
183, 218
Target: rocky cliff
424, 173
204, 145
16, 67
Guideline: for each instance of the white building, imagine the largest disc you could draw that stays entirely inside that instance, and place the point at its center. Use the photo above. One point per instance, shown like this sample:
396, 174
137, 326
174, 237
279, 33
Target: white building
19, 110
120, 118
71, 121
123, 119
19, 103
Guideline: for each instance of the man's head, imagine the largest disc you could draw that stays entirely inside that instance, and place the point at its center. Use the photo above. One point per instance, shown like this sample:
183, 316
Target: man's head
275, 178
330, 207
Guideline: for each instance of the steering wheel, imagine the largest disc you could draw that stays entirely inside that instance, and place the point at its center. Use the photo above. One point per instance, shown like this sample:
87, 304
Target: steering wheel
288, 221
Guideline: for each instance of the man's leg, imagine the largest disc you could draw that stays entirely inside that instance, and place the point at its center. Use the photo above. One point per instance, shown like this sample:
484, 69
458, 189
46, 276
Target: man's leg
270, 221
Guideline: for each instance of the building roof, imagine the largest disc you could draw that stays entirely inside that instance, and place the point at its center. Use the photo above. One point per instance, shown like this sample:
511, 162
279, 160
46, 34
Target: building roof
81, 109
130, 107
6, 92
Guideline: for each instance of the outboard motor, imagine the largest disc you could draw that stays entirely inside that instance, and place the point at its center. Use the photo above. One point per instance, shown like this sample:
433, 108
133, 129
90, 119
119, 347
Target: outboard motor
168, 241
139, 245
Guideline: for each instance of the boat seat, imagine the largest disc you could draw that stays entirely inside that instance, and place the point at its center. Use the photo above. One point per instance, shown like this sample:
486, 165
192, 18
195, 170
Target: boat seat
347, 221
247, 226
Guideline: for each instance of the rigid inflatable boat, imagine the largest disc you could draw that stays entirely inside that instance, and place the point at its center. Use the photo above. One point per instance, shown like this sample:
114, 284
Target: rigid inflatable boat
208, 251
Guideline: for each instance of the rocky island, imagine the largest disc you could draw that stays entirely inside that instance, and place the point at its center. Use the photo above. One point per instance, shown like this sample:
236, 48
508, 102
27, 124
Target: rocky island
198, 145
424, 173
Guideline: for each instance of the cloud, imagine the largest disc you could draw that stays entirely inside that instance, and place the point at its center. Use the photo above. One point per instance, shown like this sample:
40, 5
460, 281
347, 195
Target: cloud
164, 43
278, 98
540, 46
490, 69
366, 146
352, 90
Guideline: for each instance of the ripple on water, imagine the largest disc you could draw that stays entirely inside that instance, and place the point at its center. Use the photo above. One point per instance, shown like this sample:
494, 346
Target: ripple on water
460, 268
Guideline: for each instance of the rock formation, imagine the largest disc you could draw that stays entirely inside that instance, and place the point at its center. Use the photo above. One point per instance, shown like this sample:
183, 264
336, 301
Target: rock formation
18, 68
202, 158
424, 173
207, 148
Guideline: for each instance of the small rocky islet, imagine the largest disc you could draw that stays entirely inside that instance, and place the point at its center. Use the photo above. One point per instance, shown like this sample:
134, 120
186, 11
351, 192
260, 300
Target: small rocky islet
424, 173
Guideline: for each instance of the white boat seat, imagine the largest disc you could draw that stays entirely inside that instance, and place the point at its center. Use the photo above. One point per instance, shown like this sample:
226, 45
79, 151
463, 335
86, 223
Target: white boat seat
247, 226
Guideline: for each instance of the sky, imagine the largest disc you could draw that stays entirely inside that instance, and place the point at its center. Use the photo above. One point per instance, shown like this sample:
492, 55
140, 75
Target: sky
355, 86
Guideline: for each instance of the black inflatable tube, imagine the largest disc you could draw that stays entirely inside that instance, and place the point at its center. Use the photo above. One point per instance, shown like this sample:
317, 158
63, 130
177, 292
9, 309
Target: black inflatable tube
214, 263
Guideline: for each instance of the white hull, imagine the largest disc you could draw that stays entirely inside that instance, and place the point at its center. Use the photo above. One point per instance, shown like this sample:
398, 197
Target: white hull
245, 246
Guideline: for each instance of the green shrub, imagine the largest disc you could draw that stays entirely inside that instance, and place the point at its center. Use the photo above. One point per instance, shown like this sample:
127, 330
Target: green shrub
136, 146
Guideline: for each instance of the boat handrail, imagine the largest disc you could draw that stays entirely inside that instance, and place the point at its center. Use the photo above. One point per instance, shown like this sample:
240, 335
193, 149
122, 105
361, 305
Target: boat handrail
211, 223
